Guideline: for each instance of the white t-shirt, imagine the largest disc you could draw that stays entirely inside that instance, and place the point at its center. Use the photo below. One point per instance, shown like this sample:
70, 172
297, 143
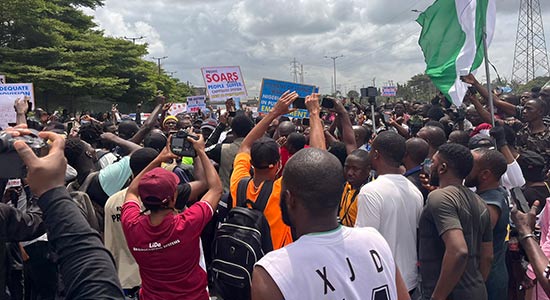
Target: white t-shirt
115, 242
346, 263
392, 204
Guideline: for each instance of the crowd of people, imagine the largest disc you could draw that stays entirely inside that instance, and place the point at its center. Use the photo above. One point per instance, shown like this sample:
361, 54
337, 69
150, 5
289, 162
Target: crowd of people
411, 200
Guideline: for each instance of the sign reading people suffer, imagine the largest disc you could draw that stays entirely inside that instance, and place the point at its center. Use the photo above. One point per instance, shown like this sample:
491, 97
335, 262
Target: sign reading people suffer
223, 83
8, 94
196, 103
273, 89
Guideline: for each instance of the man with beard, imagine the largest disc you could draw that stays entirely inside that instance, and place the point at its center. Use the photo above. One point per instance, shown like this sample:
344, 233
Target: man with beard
489, 166
327, 259
455, 236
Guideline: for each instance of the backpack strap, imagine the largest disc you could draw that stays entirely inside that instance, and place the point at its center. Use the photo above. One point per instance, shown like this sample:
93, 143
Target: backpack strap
241, 191
263, 197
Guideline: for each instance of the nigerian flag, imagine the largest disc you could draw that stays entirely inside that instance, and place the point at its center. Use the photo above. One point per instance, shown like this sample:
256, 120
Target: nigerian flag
452, 41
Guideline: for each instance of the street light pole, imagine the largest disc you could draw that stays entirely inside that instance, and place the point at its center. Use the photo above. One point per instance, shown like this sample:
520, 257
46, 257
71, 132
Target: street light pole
158, 61
133, 39
334, 58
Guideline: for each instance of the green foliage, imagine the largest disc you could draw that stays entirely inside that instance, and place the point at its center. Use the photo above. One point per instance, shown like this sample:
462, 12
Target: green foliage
52, 44
537, 82
419, 87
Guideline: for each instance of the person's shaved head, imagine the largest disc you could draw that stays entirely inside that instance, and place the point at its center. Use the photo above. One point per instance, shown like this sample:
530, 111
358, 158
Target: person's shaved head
417, 150
361, 135
435, 137
286, 128
459, 137
302, 175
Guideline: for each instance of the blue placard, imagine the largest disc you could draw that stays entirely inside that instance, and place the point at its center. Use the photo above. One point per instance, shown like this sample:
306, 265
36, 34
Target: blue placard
273, 89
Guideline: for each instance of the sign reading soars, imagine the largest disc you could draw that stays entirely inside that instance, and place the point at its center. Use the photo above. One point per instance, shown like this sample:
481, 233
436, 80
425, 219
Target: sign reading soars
224, 82
273, 89
195, 103
8, 93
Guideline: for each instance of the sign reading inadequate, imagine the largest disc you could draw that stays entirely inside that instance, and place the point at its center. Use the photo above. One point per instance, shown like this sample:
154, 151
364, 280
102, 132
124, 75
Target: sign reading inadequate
223, 83
8, 94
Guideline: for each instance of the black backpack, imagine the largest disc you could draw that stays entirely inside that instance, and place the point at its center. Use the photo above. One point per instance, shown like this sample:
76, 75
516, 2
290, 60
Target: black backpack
242, 238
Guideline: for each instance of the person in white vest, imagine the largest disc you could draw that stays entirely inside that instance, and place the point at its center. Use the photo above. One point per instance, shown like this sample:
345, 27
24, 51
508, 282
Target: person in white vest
327, 261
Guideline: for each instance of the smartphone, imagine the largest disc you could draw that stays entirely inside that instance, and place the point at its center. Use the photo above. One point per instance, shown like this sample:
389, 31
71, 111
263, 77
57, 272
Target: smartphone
232, 113
519, 200
327, 102
305, 122
299, 103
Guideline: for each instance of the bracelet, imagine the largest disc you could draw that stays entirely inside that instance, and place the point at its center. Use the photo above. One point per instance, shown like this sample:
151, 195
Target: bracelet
530, 235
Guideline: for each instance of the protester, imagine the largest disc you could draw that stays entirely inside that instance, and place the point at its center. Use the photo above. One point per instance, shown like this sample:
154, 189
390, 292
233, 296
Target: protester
489, 166
158, 239
356, 172
224, 154
86, 266
392, 204
313, 266
416, 153
262, 154
455, 233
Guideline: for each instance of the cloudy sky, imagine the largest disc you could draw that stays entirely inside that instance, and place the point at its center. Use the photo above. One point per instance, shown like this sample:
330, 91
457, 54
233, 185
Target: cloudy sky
377, 38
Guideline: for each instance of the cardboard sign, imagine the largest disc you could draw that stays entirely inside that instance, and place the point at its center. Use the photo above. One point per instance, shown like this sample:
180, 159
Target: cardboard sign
223, 83
177, 108
273, 89
389, 91
196, 103
8, 94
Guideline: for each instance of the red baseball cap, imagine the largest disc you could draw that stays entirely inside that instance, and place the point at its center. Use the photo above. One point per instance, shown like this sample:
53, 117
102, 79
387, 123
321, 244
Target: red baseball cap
157, 186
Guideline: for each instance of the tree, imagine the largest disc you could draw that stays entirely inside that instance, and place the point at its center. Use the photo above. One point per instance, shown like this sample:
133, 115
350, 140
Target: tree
53, 45
419, 87
353, 94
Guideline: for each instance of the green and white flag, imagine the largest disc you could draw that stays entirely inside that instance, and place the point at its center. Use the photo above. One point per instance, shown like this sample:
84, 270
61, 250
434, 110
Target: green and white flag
452, 41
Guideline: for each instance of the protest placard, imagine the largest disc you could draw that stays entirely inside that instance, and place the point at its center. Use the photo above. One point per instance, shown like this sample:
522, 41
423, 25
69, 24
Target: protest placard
8, 93
389, 91
2, 79
273, 89
223, 83
177, 108
194, 103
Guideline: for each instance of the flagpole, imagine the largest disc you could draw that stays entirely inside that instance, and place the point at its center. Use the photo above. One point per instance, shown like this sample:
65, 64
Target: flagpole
488, 75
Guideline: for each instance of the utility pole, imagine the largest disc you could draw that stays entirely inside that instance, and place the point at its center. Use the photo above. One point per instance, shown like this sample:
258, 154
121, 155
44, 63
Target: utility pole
158, 61
531, 54
133, 39
301, 73
294, 69
374, 82
334, 58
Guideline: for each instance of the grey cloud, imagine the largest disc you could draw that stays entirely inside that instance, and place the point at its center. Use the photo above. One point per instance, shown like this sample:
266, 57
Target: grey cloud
377, 37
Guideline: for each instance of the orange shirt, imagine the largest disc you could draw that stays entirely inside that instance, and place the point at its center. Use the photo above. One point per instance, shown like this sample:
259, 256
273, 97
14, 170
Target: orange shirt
348, 206
280, 232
